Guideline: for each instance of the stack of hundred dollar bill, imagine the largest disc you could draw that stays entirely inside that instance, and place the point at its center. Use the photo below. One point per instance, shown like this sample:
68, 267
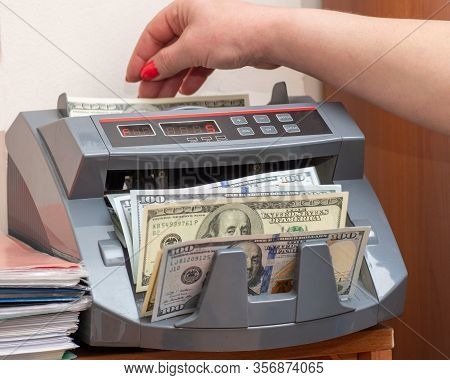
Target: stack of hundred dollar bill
171, 235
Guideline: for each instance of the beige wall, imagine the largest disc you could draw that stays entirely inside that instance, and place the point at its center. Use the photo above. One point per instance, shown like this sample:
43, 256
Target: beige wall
82, 48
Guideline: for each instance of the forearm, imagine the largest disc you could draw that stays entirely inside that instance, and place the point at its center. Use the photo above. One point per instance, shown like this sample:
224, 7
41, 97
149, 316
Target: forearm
400, 65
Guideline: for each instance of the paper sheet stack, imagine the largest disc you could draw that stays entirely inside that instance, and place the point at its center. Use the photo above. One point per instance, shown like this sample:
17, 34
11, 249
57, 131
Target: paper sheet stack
40, 300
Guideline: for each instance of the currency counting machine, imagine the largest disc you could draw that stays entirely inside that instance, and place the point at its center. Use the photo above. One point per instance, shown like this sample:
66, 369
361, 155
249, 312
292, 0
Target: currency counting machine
59, 169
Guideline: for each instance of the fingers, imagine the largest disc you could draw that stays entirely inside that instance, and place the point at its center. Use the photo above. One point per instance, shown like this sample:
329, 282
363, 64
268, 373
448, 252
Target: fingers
160, 31
168, 62
172, 85
162, 89
150, 89
186, 82
194, 80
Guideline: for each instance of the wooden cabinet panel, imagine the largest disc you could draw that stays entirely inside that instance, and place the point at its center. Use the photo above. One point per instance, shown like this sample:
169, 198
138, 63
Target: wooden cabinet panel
409, 167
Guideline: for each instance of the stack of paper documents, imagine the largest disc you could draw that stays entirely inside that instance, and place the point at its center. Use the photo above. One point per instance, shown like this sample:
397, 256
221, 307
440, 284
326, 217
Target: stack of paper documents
40, 300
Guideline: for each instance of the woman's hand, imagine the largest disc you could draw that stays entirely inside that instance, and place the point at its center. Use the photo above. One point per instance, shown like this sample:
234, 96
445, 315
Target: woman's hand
188, 39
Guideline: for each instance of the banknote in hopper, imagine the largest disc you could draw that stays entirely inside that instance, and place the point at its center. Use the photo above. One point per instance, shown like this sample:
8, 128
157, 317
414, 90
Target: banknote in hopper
179, 222
271, 262
79, 106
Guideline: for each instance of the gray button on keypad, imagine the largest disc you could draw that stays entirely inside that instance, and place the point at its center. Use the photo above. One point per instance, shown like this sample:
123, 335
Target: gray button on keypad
260, 119
246, 131
284, 117
268, 130
291, 128
239, 120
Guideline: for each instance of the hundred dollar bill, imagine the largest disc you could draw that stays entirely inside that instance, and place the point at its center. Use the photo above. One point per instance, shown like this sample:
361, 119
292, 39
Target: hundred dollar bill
295, 177
159, 197
73, 106
176, 222
141, 198
271, 264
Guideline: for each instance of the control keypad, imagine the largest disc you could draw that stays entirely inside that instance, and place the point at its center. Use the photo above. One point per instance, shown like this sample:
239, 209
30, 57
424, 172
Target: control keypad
254, 124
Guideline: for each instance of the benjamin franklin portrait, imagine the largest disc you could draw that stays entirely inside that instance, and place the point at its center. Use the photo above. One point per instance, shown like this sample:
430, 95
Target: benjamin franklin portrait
255, 267
231, 220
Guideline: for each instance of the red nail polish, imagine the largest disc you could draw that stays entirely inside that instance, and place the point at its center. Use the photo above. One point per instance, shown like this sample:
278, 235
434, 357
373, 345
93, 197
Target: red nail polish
149, 71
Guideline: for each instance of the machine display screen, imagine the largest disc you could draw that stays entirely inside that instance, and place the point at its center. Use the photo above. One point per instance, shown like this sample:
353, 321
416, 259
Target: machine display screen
186, 128
136, 130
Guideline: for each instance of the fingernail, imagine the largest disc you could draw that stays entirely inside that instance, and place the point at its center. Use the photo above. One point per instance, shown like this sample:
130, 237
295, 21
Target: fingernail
149, 71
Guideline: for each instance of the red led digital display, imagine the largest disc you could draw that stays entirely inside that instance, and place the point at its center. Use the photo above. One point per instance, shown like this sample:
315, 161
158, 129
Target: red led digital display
186, 128
136, 130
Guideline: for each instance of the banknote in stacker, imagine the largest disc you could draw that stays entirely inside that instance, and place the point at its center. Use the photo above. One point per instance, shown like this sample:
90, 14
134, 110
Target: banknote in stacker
179, 222
271, 263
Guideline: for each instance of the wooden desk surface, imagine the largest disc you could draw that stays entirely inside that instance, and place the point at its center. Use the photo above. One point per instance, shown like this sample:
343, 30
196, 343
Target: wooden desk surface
373, 343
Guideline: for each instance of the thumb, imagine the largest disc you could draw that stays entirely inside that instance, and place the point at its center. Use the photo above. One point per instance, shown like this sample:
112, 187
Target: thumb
166, 63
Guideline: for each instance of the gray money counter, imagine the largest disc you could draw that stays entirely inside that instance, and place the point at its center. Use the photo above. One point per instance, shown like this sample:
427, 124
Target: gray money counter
59, 169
